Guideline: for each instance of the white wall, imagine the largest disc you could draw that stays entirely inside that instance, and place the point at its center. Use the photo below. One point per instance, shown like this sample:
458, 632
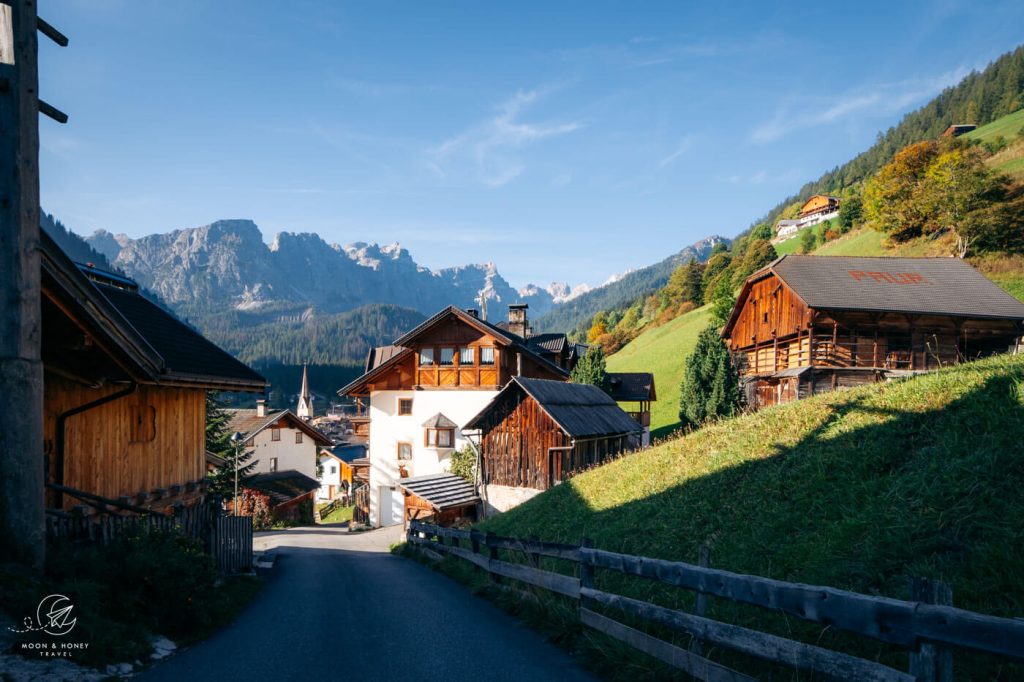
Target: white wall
388, 429
290, 455
328, 479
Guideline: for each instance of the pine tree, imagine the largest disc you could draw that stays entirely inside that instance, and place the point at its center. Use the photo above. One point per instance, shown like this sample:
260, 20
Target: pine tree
710, 386
218, 441
591, 369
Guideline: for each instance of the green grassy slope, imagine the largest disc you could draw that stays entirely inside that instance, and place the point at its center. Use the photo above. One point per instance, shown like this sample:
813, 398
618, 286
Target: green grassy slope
1008, 126
856, 489
662, 350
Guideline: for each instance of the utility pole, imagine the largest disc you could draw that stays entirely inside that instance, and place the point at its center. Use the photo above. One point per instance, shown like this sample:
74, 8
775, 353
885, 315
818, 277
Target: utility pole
22, 475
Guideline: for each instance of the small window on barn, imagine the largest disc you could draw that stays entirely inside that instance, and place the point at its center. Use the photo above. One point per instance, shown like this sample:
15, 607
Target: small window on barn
764, 318
143, 426
439, 438
298, 436
275, 434
404, 407
447, 357
405, 451
273, 463
465, 356
486, 355
334, 469
426, 357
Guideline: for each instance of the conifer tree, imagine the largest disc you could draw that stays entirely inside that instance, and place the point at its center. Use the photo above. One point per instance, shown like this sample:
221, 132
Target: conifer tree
591, 369
218, 441
710, 386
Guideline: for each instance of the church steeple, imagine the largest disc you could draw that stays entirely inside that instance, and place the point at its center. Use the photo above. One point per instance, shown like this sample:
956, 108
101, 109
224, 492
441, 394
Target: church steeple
305, 406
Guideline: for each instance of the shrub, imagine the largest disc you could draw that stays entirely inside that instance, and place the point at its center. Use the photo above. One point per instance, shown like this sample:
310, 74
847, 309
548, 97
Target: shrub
463, 463
257, 505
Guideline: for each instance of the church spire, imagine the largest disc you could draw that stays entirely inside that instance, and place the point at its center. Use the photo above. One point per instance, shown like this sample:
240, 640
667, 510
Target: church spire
305, 406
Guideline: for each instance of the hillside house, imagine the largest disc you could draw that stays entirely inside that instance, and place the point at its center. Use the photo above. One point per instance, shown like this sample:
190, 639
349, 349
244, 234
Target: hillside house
418, 391
808, 324
817, 209
537, 432
337, 470
785, 229
125, 389
958, 129
636, 390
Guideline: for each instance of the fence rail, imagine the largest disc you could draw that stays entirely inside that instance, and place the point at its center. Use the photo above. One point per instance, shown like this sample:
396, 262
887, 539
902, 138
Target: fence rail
927, 630
227, 538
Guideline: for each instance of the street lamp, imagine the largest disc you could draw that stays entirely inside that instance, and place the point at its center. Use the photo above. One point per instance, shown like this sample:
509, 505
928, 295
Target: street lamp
237, 439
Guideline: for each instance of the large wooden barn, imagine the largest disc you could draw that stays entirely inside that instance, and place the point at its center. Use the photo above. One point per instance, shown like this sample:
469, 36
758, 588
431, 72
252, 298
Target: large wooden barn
808, 324
536, 432
124, 390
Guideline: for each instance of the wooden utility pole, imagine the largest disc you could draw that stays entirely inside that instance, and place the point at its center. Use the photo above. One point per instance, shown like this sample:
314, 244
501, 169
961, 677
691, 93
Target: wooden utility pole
22, 520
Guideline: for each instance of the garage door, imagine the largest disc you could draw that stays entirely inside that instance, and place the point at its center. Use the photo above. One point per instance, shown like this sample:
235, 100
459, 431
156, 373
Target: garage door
392, 506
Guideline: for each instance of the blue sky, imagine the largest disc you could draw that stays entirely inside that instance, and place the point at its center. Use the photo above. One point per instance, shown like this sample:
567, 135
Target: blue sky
563, 141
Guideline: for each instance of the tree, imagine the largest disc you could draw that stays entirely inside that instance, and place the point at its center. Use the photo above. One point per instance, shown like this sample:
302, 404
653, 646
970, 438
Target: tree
710, 388
463, 463
956, 185
891, 197
684, 285
591, 369
218, 441
850, 212
597, 327
808, 240
218, 435
758, 254
722, 300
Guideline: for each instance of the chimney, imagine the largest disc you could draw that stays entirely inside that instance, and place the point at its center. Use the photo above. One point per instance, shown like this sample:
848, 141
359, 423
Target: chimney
474, 312
517, 322
261, 408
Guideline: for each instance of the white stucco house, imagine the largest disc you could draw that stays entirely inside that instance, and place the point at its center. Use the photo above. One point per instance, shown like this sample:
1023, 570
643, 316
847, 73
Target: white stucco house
420, 390
279, 439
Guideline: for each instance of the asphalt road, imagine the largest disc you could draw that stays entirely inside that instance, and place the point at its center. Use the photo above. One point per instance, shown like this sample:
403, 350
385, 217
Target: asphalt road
339, 606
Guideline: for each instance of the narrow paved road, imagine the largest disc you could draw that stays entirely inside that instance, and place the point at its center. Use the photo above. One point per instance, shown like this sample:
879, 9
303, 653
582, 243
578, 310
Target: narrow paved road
339, 606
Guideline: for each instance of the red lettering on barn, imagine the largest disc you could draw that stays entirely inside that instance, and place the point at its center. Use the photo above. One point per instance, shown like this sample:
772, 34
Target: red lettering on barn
888, 277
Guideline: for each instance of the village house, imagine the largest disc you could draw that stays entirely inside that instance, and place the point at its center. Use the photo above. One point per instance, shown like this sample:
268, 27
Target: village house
337, 471
808, 324
418, 391
958, 129
817, 209
125, 391
285, 452
537, 432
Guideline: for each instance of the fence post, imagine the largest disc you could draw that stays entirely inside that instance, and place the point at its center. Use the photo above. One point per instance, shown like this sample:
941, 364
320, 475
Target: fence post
700, 606
586, 568
474, 541
532, 557
931, 663
492, 552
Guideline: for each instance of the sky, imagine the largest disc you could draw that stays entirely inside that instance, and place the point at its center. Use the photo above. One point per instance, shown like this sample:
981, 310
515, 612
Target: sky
563, 141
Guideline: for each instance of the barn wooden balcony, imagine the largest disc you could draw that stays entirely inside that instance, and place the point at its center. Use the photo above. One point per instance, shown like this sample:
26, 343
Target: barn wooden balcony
642, 418
889, 353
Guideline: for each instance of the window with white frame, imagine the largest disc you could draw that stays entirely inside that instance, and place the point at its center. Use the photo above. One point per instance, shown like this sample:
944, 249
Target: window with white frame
439, 438
487, 355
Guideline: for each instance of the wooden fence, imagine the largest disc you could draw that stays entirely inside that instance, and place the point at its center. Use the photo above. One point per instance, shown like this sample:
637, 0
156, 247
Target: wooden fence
929, 628
227, 538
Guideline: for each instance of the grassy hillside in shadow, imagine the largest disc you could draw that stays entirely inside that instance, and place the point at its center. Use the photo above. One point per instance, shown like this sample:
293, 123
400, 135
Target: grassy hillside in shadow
857, 489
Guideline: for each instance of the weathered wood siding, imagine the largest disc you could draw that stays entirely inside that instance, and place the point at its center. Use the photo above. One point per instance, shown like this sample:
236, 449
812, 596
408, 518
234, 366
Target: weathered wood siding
153, 438
771, 311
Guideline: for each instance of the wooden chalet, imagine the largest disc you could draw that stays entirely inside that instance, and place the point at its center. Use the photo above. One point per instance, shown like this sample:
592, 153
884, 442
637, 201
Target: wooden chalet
819, 204
958, 129
444, 499
635, 392
535, 433
125, 388
809, 324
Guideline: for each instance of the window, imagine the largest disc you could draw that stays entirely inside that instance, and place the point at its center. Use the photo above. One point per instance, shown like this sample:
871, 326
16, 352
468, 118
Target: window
404, 406
426, 357
465, 356
486, 355
298, 436
405, 451
447, 357
143, 426
334, 468
275, 434
273, 463
439, 438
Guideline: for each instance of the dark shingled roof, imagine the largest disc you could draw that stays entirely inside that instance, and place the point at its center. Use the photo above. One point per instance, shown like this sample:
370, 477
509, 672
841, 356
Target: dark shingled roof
580, 410
379, 355
283, 486
931, 286
441, 491
184, 350
439, 421
549, 342
631, 386
247, 422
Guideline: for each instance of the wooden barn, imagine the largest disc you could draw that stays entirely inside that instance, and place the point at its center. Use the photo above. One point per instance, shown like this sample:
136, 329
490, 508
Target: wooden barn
636, 391
125, 384
444, 499
809, 324
819, 204
536, 432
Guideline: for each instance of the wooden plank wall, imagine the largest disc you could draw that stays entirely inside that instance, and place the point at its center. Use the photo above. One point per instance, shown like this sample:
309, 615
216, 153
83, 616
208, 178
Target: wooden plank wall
786, 314
99, 457
516, 443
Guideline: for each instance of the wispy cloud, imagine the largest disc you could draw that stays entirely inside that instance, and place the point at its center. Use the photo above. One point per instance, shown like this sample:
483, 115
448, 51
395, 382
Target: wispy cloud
489, 148
683, 147
881, 99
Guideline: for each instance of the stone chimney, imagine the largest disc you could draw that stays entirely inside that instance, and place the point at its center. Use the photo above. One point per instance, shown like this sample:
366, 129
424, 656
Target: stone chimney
517, 322
261, 408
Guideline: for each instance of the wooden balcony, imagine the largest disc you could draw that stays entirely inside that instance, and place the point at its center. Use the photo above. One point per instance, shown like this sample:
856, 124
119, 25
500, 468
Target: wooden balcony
642, 418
